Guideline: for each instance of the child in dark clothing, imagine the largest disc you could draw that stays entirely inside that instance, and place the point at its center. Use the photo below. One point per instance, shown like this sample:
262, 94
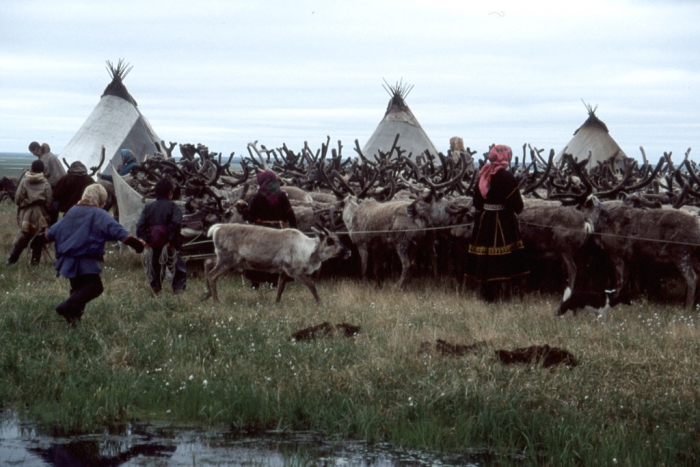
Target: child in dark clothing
159, 226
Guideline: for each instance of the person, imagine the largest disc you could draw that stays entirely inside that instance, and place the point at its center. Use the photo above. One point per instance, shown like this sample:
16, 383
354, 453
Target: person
69, 189
496, 252
159, 227
53, 169
80, 238
128, 163
270, 207
34, 202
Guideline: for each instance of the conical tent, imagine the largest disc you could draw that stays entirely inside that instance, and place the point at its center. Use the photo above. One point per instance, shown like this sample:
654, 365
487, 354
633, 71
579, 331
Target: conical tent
592, 141
399, 120
115, 123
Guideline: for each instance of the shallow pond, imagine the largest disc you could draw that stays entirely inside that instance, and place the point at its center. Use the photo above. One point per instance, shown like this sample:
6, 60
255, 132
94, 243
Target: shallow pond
149, 444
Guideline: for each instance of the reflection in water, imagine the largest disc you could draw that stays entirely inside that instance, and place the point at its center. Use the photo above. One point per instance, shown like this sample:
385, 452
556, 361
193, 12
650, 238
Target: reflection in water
92, 453
146, 444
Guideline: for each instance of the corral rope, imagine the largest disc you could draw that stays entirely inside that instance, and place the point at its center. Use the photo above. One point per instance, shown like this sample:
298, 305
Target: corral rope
427, 229
167, 262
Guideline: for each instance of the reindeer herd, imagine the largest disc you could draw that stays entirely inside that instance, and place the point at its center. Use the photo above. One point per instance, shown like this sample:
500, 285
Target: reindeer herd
403, 215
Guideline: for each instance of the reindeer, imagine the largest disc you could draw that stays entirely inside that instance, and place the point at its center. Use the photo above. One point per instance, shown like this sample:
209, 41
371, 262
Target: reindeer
287, 252
552, 231
654, 236
374, 226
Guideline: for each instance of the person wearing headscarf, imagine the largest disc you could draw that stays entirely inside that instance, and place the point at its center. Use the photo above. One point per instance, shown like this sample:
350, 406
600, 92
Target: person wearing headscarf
80, 238
70, 187
496, 252
128, 163
53, 169
270, 207
34, 202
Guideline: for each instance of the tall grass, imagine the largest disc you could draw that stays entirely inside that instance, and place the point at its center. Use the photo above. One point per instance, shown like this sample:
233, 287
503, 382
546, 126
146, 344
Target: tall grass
631, 401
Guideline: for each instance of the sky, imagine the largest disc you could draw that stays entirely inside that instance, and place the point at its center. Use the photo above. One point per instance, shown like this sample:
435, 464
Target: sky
227, 73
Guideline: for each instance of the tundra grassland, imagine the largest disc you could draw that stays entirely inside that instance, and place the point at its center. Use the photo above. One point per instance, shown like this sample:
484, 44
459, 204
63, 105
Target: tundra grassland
632, 400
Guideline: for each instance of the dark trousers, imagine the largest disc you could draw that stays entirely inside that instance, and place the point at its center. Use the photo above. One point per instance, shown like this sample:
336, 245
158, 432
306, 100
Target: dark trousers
82, 290
180, 276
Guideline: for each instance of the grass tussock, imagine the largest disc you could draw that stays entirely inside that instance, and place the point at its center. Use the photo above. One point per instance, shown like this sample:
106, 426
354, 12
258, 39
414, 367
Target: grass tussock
632, 400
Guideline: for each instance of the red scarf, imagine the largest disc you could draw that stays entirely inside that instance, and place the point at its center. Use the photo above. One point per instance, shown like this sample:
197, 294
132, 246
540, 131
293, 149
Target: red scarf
269, 186
499, 158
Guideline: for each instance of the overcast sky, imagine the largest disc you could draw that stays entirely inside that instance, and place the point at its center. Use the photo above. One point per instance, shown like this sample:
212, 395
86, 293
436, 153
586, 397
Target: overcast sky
225, 73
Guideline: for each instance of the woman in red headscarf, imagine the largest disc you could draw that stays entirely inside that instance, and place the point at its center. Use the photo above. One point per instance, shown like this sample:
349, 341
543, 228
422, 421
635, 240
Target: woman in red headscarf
496, 252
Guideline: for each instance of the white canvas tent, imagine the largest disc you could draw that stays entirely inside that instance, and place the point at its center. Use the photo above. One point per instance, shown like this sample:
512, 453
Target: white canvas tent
592, 141
399, 119
115, 123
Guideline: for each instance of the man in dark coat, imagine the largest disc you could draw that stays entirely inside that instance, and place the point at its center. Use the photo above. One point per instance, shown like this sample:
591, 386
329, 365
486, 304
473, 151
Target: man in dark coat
159, 226
69, 189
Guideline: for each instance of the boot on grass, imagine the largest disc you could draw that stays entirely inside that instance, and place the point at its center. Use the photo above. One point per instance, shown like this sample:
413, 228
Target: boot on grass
14, 255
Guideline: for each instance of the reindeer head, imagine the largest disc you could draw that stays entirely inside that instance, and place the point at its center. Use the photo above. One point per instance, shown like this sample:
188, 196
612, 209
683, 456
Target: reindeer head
329, 246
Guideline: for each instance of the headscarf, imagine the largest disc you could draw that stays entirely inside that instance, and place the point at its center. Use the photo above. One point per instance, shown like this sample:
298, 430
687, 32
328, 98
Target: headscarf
77, 168
269, 185
499, 158
127, 155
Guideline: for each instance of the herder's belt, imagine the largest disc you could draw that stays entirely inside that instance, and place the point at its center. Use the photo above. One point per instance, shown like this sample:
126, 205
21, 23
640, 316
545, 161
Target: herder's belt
494, 207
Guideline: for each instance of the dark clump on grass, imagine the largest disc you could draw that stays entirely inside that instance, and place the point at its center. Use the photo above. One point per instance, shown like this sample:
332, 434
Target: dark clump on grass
451, 350
535, 354
326, 329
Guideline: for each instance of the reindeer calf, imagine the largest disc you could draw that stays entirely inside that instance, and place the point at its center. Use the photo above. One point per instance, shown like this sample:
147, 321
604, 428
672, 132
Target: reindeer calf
287, 252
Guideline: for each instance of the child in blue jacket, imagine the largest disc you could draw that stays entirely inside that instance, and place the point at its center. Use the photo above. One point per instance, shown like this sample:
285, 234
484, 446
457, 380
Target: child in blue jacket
80, 237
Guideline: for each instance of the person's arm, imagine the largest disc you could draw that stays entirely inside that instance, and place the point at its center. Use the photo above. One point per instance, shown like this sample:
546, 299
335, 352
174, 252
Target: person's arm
175, 226
514, 200
48, 194
142, 225
478, 199
20, 194
134, 243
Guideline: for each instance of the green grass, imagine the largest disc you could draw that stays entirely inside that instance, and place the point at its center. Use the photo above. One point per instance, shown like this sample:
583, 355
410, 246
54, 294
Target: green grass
631, 401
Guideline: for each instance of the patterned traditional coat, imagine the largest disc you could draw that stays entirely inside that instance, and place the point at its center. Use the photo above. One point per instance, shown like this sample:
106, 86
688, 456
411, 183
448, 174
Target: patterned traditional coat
33, 198
496, 251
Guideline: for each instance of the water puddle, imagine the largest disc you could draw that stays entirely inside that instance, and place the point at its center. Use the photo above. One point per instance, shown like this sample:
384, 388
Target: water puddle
152, 444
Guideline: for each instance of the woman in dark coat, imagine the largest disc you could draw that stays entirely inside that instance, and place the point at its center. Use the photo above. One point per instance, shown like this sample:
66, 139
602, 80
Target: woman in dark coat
270, 207
496, 252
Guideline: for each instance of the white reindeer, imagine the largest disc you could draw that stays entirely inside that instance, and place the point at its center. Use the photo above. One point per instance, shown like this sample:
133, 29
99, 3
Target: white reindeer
287, 252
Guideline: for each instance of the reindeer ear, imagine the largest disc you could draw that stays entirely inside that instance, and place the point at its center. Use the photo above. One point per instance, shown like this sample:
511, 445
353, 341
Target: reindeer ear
318, 230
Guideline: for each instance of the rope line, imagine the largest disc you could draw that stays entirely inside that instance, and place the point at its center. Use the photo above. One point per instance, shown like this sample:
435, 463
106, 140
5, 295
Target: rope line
427, 229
